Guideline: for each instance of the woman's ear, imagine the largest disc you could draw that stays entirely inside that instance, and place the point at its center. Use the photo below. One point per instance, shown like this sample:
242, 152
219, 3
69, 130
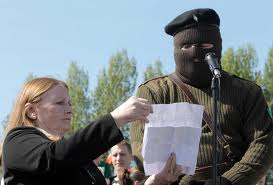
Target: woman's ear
30, 111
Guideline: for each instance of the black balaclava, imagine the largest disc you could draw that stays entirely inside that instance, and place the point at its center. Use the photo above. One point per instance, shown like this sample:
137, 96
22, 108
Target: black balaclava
190, 65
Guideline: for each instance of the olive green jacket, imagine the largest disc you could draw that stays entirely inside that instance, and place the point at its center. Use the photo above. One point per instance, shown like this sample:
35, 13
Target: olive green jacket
244, 119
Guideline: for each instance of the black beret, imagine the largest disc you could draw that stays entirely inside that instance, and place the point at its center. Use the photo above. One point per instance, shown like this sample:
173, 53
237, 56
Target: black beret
191, 18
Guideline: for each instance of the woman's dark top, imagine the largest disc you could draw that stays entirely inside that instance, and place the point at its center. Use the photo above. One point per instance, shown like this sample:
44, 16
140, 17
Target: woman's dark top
30, 158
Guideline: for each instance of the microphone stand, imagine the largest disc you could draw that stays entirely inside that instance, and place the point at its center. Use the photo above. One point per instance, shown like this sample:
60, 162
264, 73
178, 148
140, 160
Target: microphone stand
215, 87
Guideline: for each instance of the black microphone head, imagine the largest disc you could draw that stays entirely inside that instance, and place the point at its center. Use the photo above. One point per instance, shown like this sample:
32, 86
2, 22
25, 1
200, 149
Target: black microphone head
212, 60
213, 64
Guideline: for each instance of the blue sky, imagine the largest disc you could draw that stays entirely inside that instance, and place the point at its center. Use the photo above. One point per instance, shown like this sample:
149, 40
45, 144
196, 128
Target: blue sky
43, 37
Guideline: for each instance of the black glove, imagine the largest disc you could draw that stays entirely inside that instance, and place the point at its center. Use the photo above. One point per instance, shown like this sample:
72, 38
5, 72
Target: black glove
223, 181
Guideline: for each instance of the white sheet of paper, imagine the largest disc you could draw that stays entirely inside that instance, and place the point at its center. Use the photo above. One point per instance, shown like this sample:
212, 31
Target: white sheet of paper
172, 128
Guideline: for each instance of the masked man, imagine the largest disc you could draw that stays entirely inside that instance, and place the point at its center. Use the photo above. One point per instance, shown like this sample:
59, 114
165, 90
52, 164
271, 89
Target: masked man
244, 120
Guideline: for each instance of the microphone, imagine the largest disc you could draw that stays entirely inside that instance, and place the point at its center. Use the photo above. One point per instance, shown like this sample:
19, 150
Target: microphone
214, 66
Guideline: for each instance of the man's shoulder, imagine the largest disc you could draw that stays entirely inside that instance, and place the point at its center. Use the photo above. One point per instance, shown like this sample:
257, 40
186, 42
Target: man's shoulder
155, 79
157, 85
246, 83
242, 83
155, 82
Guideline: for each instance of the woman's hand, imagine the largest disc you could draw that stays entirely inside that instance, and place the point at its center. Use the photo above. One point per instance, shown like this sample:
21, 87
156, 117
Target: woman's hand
133, 109
169, 174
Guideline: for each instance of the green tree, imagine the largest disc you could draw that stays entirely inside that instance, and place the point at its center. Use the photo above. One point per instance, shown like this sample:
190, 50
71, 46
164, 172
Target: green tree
114, 86
153, 70
29, 77
268, 92
268, 79
78, 84
4, 122
242, 62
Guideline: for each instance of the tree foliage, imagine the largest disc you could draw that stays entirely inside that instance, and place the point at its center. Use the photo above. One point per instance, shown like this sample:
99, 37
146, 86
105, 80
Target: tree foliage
242, 63
153, 70
29, 77
78, 84
4, 122
114, 86
268, 92
268, 79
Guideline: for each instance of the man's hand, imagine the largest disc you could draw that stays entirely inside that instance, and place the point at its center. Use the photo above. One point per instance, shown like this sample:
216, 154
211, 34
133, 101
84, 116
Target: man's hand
168, 175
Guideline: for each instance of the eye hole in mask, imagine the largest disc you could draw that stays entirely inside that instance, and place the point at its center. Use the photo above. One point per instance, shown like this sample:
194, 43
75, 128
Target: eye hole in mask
201, 46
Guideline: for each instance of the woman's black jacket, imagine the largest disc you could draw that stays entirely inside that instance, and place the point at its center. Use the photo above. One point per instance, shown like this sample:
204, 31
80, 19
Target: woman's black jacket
30, 158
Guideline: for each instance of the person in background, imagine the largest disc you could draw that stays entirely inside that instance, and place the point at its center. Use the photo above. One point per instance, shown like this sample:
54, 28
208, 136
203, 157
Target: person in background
121, 155
126, 166
244, 121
